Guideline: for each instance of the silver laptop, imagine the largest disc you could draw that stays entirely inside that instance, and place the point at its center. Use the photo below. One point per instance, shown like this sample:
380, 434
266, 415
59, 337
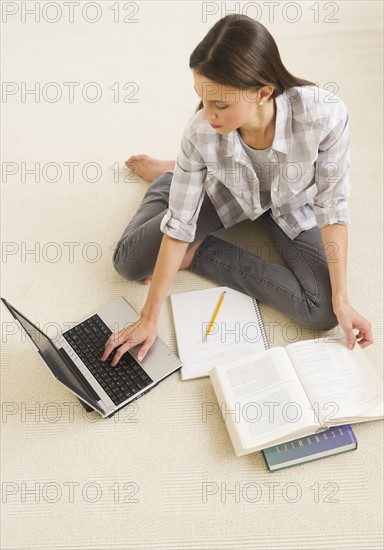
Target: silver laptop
74, 358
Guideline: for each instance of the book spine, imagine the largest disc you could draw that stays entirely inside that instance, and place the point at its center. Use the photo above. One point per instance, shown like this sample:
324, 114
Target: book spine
261, 324
333, 439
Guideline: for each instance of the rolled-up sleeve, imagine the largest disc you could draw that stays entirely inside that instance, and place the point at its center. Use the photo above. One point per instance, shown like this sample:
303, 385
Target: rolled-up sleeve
187, 190
330, 204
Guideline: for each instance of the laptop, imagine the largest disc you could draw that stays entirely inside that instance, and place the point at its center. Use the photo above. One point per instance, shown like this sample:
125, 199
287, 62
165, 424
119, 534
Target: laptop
73, 358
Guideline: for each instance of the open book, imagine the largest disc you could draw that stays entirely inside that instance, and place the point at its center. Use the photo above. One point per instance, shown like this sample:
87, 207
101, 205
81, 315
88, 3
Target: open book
280, 394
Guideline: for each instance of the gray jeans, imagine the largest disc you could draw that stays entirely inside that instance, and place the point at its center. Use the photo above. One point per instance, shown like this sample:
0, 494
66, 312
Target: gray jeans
301, 290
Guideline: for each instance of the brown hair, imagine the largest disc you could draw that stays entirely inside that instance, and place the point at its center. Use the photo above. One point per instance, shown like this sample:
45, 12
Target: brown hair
240, 52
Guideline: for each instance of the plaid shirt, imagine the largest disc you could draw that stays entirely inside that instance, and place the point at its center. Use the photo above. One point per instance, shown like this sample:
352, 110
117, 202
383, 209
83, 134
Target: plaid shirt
309, 163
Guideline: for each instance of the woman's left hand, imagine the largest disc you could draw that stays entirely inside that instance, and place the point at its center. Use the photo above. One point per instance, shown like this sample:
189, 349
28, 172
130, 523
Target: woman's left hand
349, 319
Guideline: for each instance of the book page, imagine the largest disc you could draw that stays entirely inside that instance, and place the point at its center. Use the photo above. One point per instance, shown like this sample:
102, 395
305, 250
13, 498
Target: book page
265, 399
374, 414
341, 383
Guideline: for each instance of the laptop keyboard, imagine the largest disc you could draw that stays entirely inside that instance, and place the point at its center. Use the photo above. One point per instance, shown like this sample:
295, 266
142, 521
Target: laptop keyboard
119, 382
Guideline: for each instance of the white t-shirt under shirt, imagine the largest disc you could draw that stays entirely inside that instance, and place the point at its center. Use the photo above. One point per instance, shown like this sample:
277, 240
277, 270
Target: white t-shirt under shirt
262, 166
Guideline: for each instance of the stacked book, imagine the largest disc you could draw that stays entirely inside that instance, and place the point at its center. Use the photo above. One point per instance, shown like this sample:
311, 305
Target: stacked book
336, 440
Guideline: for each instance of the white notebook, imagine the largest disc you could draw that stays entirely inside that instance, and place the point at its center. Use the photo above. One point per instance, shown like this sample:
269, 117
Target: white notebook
238, 329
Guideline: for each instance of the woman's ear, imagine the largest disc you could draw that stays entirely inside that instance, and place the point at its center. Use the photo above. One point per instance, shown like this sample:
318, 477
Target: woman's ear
264, 93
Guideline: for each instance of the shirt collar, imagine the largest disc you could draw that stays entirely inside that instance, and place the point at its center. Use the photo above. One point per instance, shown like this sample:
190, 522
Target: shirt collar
282, 141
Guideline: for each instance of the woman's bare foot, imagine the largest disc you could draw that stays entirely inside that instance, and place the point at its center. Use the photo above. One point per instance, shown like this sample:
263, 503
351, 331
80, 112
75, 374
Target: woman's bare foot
186, 263
149, 168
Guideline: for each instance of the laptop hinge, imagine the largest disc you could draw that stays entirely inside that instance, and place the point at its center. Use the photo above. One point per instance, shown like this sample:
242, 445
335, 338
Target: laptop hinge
78, 375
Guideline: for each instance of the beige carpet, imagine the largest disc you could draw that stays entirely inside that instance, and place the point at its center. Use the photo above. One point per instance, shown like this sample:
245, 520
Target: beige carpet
137, 480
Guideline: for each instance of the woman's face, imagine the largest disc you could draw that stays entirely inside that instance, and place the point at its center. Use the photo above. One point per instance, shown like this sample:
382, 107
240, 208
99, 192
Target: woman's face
226, 107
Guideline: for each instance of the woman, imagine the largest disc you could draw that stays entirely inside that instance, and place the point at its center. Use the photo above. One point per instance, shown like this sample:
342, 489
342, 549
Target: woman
264, 145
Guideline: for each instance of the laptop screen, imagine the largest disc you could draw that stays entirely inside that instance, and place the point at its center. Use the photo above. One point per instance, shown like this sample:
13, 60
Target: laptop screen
51, 356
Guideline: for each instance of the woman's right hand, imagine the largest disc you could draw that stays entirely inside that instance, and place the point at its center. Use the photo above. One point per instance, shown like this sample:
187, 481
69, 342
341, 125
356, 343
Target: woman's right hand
144, 330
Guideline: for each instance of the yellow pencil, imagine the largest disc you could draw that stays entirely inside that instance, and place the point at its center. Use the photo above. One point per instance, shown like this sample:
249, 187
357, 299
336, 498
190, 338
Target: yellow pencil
215, 314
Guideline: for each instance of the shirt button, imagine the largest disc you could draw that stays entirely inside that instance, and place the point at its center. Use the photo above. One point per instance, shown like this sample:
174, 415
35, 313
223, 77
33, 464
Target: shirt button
275, 189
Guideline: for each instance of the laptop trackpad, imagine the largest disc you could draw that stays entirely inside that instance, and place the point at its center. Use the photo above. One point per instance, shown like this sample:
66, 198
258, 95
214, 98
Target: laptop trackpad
158, 361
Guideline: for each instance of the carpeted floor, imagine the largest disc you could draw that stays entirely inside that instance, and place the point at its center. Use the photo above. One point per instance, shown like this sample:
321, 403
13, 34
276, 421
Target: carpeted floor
156, 476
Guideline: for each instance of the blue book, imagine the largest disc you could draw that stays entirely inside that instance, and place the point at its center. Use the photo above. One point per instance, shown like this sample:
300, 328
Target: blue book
335, 440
